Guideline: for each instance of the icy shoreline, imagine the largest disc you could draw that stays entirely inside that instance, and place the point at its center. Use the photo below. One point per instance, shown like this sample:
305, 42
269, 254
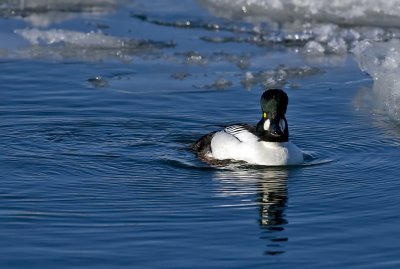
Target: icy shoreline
381, 61
317, 30
368, 29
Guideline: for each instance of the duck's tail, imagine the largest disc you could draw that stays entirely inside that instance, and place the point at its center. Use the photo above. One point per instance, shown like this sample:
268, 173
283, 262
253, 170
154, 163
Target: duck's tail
203, 145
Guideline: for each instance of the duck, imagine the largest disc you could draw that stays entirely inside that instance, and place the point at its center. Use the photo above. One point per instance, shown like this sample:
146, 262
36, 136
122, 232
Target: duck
266, 143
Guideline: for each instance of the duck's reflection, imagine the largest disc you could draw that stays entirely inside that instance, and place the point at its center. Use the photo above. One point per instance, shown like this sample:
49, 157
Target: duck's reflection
268, 190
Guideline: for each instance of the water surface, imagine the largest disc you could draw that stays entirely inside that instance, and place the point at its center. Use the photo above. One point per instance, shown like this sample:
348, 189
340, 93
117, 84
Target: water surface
97, 170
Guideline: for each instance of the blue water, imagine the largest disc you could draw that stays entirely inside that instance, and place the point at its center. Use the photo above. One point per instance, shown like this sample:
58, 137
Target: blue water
97, 171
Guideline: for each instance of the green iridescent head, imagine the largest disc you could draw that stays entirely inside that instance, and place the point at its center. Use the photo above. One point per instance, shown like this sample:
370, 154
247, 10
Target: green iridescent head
274, 103
273, 125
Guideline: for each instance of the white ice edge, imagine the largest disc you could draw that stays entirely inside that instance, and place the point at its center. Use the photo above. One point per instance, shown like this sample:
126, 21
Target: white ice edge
381, 60
83, 39
366, 28
335, 27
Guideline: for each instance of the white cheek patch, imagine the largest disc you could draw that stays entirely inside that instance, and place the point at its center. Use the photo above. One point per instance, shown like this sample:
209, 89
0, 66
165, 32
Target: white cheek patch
282, 124
266, 124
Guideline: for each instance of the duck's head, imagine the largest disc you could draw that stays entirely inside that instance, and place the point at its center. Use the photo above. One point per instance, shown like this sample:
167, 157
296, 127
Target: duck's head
273, 125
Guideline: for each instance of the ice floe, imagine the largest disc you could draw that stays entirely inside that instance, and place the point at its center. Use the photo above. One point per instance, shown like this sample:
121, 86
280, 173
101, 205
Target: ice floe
320, 27
44, 13
350, 12
59, 43
369, 29
381, 60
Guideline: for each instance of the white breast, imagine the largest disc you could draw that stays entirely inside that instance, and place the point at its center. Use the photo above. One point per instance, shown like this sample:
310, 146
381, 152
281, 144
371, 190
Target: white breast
249, 149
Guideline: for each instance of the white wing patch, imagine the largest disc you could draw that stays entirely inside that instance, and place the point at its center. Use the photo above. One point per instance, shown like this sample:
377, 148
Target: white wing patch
241, 133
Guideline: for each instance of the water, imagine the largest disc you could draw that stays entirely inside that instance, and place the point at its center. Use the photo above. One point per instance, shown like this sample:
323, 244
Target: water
96, 166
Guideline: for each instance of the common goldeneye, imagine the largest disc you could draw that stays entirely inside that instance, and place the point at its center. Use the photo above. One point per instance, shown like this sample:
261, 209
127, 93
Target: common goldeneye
267, 143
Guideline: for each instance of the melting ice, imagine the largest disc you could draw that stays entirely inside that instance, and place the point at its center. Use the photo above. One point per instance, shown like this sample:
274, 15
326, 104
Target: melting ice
382, 61
84, 45
366, 28
369, 29
44, 12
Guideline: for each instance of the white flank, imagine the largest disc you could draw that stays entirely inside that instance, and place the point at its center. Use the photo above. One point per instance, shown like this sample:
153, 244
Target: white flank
226, 146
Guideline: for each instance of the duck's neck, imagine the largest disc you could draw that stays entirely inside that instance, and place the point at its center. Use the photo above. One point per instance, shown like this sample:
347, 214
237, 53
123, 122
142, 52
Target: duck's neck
268, 137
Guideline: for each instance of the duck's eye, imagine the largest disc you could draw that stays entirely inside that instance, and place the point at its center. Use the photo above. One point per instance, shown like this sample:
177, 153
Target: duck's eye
265, 115
282, 124
266, 124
